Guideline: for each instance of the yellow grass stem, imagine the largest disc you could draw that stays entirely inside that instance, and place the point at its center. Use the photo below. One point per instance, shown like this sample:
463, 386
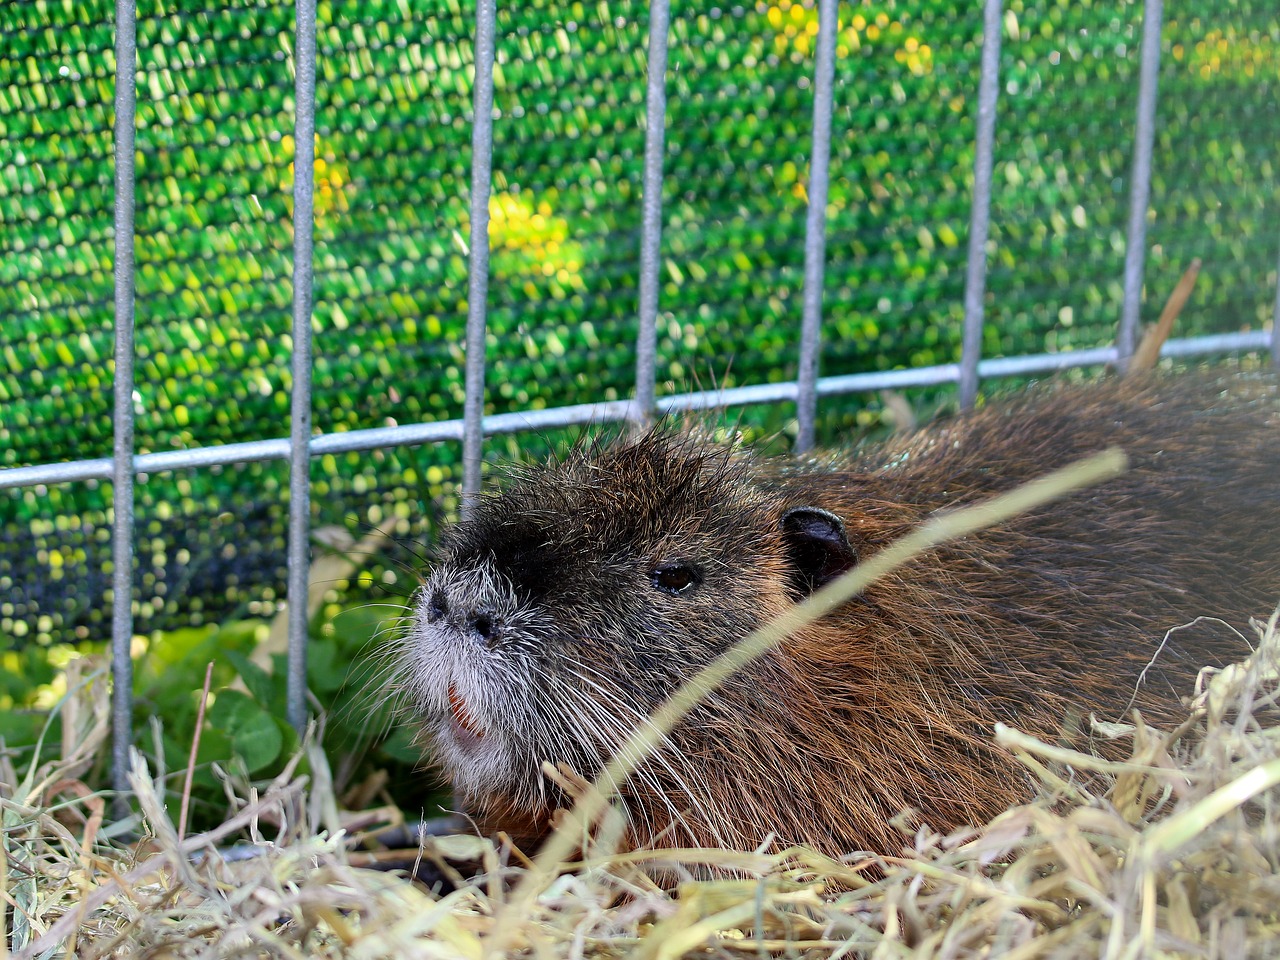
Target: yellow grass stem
1169, 835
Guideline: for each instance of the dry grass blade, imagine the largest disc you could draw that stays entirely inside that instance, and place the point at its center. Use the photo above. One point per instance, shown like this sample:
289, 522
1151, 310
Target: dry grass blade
195, 749
1148, 353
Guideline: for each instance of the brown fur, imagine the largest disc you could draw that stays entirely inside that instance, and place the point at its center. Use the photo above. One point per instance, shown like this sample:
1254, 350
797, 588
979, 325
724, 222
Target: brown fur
888, 703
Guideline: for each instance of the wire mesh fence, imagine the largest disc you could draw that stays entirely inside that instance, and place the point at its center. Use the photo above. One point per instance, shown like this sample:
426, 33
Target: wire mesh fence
660, 191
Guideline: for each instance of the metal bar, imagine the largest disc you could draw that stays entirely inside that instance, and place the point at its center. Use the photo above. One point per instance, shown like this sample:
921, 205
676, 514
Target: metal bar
608, 411
815, 235
478, 281
304, 164
122, 472
1215, 343
1135, 255
975, 284
651, 223
613, 411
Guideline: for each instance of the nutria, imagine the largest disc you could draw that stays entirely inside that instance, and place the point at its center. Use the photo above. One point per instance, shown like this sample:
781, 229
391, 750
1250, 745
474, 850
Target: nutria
578, 598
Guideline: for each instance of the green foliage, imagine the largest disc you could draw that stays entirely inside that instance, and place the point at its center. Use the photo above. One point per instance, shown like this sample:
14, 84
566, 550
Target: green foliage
245, 731
21, 728
249, 732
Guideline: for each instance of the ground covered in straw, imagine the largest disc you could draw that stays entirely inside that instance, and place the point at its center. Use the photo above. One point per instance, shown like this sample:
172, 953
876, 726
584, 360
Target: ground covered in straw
1174, 853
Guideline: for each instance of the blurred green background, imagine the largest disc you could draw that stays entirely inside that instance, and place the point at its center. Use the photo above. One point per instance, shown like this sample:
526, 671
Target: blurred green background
214, 151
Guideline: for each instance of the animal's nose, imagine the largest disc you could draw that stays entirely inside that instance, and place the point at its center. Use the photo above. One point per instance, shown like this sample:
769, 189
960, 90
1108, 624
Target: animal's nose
483, 625
474, 616
437, 605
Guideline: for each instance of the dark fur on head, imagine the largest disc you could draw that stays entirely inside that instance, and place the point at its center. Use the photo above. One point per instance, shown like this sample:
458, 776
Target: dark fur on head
583, 595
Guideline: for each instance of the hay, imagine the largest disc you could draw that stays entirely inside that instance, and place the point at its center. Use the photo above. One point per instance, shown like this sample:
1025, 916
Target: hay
1179, 855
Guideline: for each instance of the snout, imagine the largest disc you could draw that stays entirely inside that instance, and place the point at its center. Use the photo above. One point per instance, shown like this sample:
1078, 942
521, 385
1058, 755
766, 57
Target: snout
465, 675
474, 618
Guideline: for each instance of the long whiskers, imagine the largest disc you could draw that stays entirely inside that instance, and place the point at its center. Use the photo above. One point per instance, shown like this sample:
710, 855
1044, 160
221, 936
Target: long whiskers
605, 721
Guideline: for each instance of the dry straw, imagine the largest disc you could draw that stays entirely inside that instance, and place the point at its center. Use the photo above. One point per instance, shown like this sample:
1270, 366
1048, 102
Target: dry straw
1174, 852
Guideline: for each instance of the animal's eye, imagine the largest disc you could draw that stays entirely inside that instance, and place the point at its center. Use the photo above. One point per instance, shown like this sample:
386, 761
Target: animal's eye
676, 578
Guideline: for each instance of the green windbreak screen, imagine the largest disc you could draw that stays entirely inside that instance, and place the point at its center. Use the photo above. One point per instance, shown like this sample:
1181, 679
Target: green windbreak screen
215, 114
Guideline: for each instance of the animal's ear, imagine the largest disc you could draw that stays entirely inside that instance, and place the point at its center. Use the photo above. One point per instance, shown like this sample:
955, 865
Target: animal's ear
817, 547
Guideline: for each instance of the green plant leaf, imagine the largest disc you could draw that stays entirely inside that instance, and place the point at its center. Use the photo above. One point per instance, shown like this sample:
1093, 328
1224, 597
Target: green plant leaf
403, 746
252, 731
255, 678
326, 671
20, 728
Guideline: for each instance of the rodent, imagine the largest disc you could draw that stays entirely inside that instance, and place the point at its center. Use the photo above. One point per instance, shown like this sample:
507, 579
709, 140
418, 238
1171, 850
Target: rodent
581, 595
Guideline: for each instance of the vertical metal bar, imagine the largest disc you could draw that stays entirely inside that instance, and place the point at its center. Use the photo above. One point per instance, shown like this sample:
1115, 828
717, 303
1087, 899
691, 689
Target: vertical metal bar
126, 97
478, 284
1140, 182
304, 163
651, 224
815, 236
975, 284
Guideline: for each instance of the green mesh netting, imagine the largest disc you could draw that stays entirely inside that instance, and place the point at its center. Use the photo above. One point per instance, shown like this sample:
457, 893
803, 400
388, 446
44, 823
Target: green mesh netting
393, 146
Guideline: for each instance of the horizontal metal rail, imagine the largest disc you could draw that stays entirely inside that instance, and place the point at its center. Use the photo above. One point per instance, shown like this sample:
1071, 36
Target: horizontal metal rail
612, 411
